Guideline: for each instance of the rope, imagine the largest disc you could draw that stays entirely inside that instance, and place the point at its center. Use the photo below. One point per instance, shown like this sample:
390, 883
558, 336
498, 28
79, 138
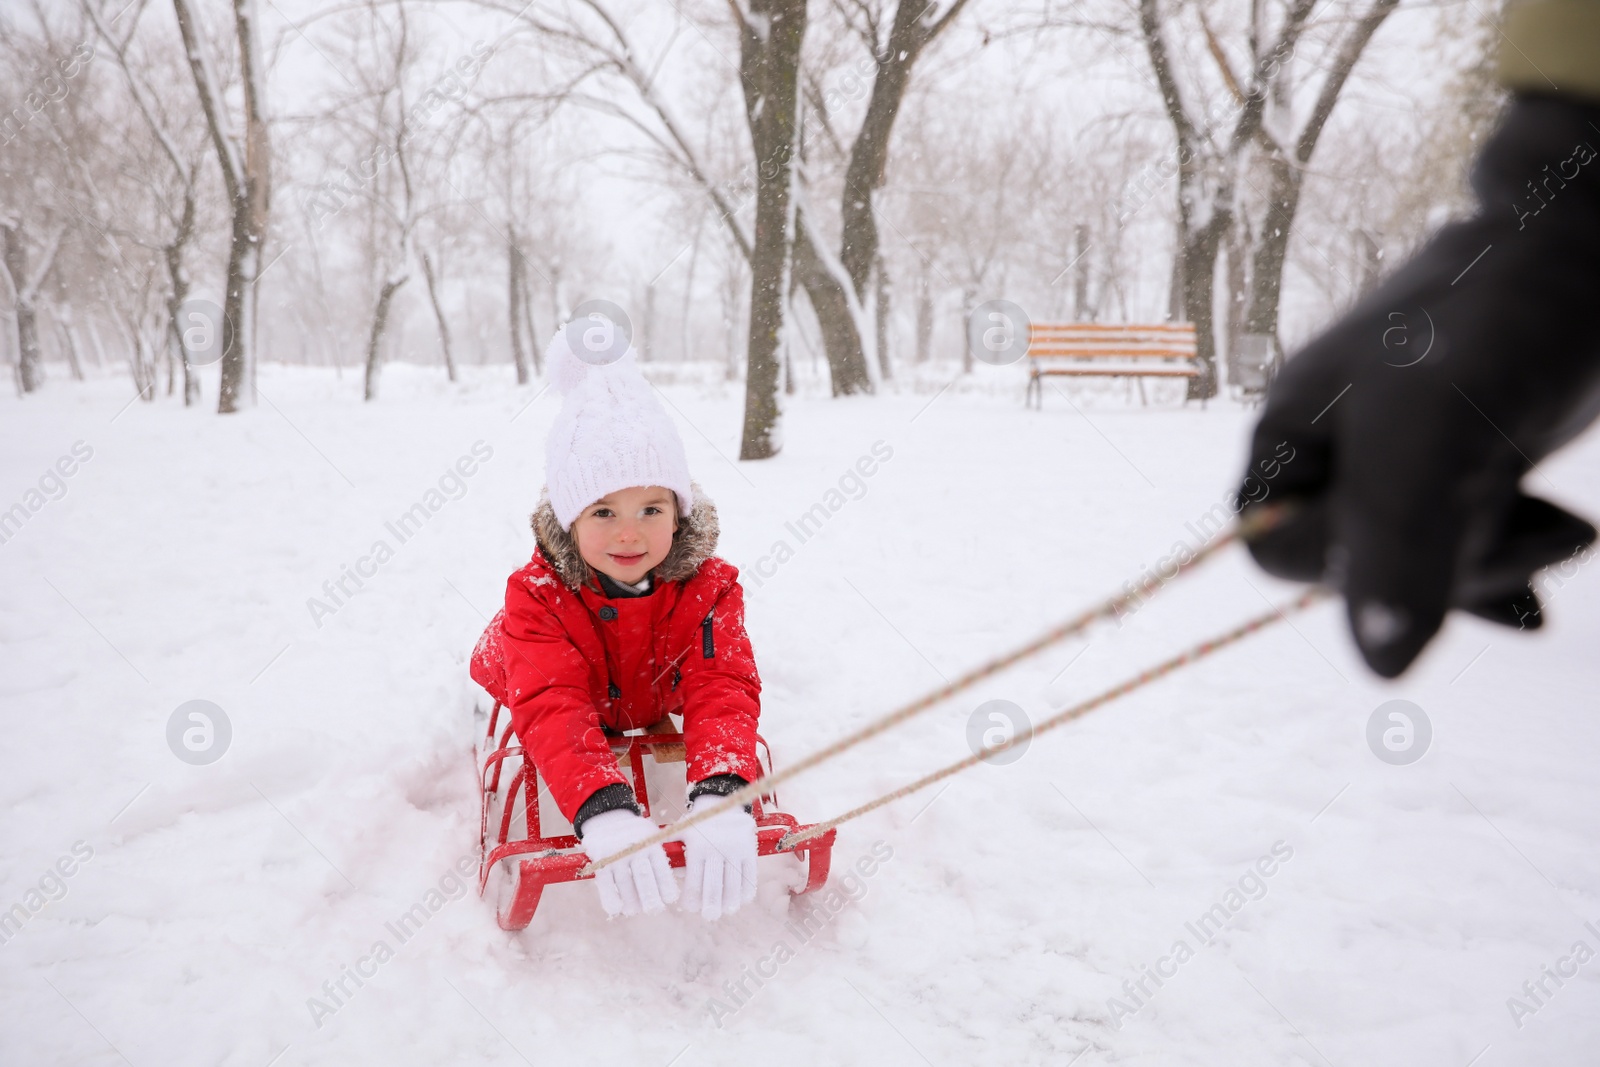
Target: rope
1257, 521
1200, 651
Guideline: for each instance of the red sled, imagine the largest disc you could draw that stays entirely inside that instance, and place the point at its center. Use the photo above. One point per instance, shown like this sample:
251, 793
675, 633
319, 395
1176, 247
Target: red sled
520, 861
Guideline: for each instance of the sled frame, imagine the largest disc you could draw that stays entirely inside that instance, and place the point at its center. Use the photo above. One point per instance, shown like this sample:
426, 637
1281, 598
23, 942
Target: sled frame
535, 861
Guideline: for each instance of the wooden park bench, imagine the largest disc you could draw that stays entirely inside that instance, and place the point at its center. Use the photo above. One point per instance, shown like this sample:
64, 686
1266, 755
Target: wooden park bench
1084, 349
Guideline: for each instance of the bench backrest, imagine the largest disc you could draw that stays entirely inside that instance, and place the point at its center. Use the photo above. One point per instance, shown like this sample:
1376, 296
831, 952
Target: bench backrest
1090, 340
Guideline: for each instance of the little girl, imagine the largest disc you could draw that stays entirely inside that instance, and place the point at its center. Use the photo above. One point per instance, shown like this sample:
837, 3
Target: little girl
622, 617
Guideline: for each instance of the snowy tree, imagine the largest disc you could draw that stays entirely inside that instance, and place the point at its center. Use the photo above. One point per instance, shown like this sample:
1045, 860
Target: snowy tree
1211, 140
1286, 151
246, 164
769, 70
842, 288
174, 184
25, 279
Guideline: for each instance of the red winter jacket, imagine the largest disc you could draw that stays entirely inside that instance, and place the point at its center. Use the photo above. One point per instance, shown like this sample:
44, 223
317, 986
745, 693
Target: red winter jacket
566, 659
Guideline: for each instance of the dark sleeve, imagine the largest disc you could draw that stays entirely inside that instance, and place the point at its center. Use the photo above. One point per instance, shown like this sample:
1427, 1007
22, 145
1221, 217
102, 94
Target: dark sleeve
721, 785
1552, 46
606, 798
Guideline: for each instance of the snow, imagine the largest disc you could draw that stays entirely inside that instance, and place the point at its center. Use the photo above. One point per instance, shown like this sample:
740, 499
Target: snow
992, 921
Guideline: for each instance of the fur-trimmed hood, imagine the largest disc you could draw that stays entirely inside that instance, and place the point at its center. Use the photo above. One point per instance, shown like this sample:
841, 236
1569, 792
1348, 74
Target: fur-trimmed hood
692, 544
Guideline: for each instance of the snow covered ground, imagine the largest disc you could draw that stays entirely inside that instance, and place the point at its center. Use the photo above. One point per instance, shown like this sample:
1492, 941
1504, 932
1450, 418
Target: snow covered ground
207, 905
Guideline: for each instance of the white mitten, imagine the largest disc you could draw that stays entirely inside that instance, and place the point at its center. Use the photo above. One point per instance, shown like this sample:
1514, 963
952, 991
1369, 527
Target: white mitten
644, 880
719, 860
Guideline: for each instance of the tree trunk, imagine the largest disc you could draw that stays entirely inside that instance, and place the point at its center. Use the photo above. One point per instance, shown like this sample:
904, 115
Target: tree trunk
534, 347
1283, 196
841, 339
147, 378
69, 338
191, 381
143, 370
515, 295
30, 364
769, 68
380, 320
257, 180
881, 317
246, 173
1237, 247
438, 314
171, 361
97, 345
924, 317
186, 170
1371, 260
178, 279
828, 286
1080, 276
11, 352
969, 303
136, 366
237, 323
1272, 247
1199, 299
730, 322
859, 248
869, 156
1175, 284
909, 34
1206, 176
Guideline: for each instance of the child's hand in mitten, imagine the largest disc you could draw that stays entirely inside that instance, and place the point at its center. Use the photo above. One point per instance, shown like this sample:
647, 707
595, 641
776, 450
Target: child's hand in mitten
644, 880
719, 860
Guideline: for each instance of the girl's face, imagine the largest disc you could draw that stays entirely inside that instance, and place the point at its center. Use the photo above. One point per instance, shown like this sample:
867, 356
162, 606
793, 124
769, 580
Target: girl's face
625, 534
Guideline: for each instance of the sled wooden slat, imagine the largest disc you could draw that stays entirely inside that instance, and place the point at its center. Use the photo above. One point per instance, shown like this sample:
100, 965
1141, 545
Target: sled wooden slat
1111, 350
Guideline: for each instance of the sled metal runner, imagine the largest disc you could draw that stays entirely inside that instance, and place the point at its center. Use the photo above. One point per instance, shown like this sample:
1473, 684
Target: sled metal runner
516, 856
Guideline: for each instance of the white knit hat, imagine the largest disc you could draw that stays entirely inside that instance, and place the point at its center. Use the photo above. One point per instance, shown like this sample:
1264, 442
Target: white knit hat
612, 433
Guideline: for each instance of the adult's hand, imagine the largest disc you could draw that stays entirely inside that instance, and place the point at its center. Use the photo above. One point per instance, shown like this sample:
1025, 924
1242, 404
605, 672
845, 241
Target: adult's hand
1415, 419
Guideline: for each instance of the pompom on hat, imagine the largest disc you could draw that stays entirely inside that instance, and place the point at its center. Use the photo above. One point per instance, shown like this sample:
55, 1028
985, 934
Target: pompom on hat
612, 433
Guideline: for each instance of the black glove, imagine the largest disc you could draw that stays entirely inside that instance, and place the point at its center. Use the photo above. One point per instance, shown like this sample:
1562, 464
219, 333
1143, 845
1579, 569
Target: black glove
1414, 418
